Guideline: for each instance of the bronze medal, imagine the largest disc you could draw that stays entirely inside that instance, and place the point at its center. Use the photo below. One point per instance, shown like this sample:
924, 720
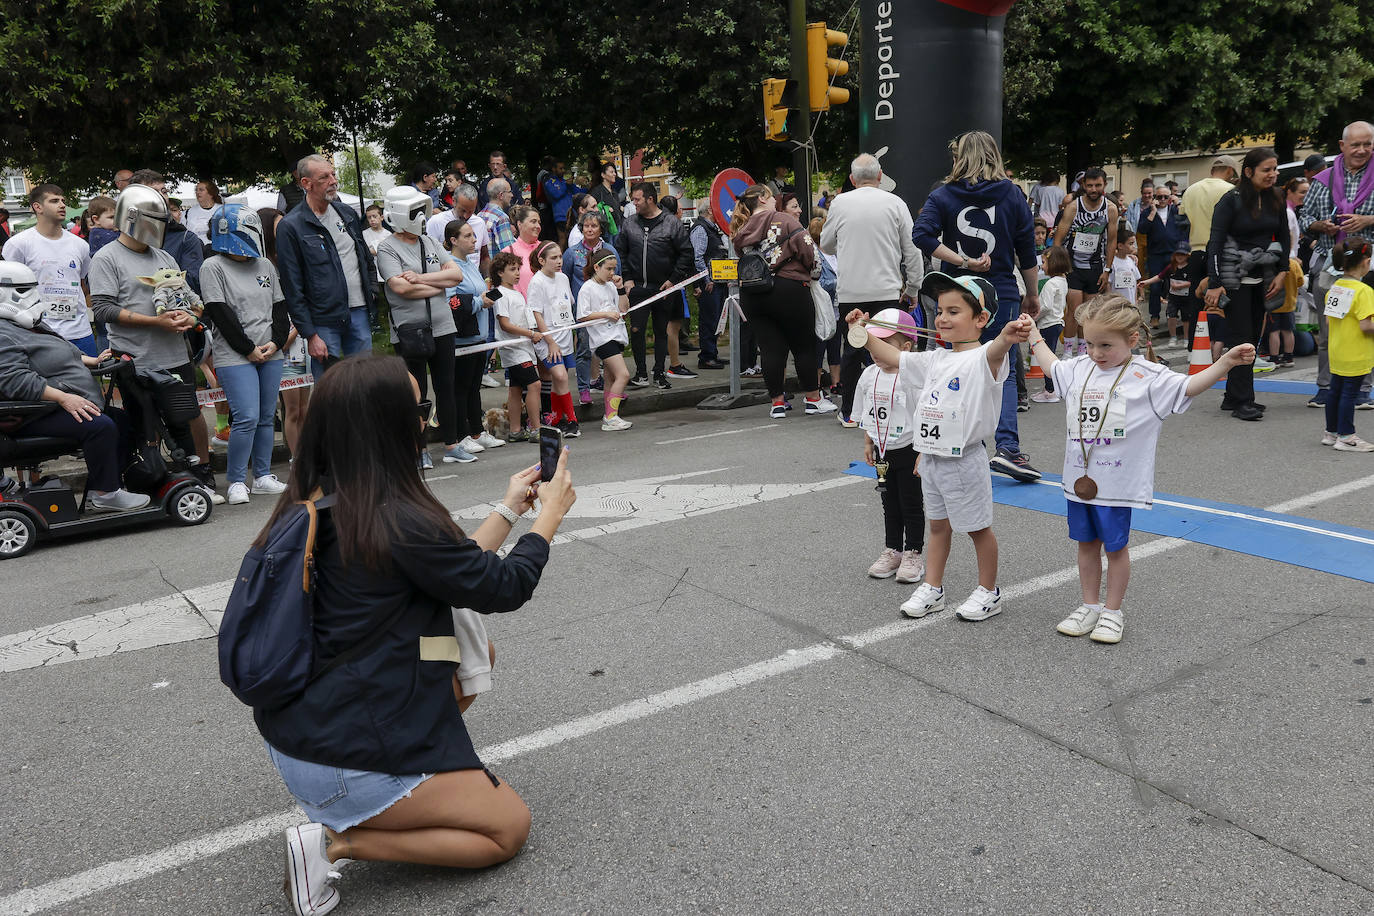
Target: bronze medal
1085, 488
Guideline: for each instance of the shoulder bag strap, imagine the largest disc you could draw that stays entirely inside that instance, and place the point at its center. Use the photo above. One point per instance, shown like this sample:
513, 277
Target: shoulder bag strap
424, 263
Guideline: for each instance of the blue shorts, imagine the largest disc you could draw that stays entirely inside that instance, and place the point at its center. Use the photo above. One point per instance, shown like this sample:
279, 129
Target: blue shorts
568, 359
1109, 524
341, 798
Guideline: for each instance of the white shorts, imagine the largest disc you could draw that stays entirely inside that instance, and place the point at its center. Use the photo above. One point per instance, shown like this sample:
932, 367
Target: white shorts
959, 489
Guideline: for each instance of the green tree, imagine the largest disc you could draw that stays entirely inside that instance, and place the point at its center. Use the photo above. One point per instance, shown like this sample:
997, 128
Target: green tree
373, 165
227, 88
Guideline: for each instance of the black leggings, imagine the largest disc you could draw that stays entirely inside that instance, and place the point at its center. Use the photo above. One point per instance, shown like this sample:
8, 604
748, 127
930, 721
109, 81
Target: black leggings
664, 310
903, 507
784, 320
441, 367
1244, 315
467, 393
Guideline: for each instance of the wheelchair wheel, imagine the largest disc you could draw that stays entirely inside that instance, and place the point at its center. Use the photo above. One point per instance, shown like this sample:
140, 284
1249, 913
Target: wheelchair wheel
190, 506
18, 534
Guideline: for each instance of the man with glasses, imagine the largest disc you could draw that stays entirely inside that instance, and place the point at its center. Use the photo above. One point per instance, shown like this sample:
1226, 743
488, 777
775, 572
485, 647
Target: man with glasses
1163, 230
323, 259
498, 171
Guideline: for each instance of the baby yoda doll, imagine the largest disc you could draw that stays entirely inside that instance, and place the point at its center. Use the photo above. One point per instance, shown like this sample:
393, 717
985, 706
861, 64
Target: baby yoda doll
171, 292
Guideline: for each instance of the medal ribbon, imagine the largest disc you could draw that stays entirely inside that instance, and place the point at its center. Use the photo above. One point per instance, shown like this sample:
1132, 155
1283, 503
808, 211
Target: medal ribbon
1102, 421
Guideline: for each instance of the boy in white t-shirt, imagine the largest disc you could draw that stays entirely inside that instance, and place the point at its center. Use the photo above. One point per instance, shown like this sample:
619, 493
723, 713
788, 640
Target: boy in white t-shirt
956, 398
515, 325
60, 261
1116, 404
1125, 266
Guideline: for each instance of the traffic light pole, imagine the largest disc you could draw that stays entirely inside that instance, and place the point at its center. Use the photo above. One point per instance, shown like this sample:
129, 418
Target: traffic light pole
801, 135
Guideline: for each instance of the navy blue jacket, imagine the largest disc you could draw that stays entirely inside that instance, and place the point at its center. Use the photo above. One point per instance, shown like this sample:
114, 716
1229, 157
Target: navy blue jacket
1163, 239
389, 710
312, 277
991, 217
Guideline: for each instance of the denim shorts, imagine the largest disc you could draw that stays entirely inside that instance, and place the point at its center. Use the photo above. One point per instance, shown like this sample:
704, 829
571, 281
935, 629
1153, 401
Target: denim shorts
337, 797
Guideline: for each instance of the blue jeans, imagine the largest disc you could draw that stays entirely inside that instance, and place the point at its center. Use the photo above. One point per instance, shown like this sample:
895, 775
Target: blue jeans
708, 317
353, 337
87, 345
252, 394
1007, 435
1340, 404
582, 345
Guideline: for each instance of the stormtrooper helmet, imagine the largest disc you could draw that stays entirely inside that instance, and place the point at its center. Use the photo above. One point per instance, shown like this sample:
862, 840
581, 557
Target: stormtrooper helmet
19, 301
407, 209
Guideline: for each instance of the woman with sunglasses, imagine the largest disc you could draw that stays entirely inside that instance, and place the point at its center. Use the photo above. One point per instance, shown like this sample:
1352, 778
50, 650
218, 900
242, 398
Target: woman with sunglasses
375, 750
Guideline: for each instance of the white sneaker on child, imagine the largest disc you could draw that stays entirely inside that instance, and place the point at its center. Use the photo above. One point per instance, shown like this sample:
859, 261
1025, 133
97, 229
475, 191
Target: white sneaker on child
1109, 627
887, 563
981, 605
913, 567
1353, 444
927, 599
1080, 622
1328, 438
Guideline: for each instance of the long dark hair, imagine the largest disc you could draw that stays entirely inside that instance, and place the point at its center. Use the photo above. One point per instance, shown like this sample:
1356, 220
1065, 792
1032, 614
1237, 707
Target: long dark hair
268, 217
1251, 198
360, 436
574, 216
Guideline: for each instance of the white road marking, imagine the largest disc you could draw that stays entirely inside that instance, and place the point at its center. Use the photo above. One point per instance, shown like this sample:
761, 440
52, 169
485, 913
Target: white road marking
114, 874
196, 613
728, 432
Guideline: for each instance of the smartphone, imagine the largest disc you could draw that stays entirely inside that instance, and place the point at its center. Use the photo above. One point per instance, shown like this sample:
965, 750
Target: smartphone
550, 447
492, 295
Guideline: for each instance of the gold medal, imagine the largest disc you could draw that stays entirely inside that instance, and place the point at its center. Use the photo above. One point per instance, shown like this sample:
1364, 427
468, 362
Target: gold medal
1085, 488
858, 336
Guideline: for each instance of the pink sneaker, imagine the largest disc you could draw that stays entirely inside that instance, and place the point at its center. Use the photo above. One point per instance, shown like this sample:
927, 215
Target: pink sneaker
1045, 397
913, 567
887, 563
585, 397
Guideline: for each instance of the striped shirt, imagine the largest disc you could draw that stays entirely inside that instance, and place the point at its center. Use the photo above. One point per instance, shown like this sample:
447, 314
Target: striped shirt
499, 229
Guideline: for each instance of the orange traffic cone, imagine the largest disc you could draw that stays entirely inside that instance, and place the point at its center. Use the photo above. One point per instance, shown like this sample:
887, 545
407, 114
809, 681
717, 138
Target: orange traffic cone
1201, 356
1034, 371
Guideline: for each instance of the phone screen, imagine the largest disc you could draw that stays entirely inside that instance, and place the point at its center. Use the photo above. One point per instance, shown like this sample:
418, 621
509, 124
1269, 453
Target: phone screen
550, 447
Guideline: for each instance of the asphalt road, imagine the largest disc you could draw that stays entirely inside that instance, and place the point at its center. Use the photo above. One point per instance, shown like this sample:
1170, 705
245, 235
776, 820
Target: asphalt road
800, 749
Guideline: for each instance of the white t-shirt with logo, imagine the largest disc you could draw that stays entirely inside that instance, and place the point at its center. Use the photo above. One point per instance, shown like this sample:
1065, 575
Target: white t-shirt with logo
513, 307
880, 406
955, 399
348, 256
60, 265
1125, 275
552, 298
1122, 466
372, 238
602, 297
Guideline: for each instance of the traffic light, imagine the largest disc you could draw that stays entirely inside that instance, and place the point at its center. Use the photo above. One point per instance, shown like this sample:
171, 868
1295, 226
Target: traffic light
777, 102
820, 67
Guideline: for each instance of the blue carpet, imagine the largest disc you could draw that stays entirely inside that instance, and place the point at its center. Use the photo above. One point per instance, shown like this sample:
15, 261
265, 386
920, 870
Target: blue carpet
1276, 386
1297, 541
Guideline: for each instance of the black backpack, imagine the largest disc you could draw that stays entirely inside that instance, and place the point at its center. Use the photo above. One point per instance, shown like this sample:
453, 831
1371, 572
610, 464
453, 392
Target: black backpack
755, 272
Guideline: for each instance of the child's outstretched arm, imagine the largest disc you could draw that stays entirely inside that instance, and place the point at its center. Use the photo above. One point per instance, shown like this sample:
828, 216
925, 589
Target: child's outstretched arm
1236, 356
884, 354
1043, 354
1014, 332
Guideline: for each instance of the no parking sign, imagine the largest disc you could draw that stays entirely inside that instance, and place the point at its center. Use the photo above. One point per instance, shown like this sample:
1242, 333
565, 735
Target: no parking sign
725, 190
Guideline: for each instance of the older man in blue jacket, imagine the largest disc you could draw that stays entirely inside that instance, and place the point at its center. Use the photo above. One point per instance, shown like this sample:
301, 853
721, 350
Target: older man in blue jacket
326, 269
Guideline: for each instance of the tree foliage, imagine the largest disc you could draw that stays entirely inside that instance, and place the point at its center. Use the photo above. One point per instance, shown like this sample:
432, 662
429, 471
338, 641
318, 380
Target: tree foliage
233, 88
1093, 81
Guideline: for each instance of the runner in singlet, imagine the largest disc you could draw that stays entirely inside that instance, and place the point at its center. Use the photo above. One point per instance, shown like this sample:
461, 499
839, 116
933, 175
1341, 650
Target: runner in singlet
1087, 230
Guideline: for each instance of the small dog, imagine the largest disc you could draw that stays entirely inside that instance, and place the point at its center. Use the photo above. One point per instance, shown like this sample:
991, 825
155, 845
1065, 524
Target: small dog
497, 422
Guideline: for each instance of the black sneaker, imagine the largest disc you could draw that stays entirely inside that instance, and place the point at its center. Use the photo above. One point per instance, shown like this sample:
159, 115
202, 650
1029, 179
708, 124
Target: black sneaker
661, 382
1022, 403
639, 381
570, 429
598, 385
681, 372
1014, 465
710, 364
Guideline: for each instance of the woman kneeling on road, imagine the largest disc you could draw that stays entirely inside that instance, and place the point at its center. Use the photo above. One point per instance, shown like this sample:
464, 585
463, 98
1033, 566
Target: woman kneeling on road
375, 750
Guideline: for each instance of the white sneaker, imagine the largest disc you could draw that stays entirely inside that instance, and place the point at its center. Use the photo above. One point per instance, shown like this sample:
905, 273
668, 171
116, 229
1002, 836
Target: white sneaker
216, 499
777, 412
981, 605
489, 382
268, 485
913, 567
120, 500
310, 876
1262, 365
615, 424
1109, 627
1328, 438
927, 599
821, 405
472, 446
487, 440
238, 494
1353, 444
887, 563
1045, 397
1080, 622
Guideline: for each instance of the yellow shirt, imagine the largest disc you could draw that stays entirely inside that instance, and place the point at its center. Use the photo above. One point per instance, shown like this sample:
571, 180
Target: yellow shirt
1350, 348
1198, 202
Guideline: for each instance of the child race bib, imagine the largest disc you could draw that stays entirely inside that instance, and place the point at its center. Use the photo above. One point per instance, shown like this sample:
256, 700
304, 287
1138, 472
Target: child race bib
940, 428
1338, 301
1096, 409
